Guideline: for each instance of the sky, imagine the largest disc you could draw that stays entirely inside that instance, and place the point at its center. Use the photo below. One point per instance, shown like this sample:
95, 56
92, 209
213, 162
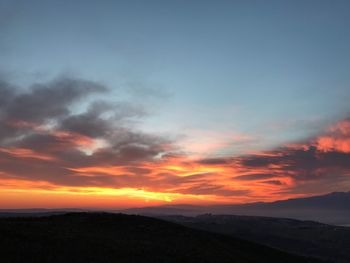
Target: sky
108, 104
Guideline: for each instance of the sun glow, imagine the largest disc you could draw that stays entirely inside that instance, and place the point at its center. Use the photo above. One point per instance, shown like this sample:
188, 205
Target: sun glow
45, 195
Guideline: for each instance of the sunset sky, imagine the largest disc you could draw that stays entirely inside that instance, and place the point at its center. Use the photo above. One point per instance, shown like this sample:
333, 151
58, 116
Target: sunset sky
109, 104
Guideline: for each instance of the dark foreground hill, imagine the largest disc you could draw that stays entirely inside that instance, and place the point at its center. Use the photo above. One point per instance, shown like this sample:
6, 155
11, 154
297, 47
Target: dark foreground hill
300, 237
91, 237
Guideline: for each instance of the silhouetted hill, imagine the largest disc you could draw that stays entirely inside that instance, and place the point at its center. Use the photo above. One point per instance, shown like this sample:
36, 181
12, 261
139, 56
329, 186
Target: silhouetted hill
300, 237
333, 201
333, 208
92, 237
37, 212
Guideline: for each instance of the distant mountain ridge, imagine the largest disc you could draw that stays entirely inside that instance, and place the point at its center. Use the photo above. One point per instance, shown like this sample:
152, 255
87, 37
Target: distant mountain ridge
332, 208
335, 200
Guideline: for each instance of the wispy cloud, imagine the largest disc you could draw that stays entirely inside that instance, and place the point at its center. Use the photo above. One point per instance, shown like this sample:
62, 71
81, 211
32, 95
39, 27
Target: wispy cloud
45, 145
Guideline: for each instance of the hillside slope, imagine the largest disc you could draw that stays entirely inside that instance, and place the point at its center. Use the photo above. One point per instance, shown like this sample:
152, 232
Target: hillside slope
301, 237
92, 237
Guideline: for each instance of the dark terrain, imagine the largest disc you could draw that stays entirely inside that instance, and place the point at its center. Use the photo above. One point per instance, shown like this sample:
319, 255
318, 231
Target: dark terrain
301, 237
260, 223
101, 237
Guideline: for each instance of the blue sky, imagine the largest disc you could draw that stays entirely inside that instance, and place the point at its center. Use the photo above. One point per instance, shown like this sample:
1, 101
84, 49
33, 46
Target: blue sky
268, 71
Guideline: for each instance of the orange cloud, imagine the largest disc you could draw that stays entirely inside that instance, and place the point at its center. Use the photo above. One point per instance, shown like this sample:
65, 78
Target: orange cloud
26, 153
328, 144
337, 138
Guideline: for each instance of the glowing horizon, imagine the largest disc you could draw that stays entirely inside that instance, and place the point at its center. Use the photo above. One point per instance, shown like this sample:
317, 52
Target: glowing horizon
132, 168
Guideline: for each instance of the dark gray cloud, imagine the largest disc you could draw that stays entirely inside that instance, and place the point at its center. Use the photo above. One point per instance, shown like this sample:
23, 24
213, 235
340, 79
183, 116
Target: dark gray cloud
89, 123
7, 93
249, 177
50, 100
273, 182
305, 164
20, 111
214, 161
211, 189
32, 150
